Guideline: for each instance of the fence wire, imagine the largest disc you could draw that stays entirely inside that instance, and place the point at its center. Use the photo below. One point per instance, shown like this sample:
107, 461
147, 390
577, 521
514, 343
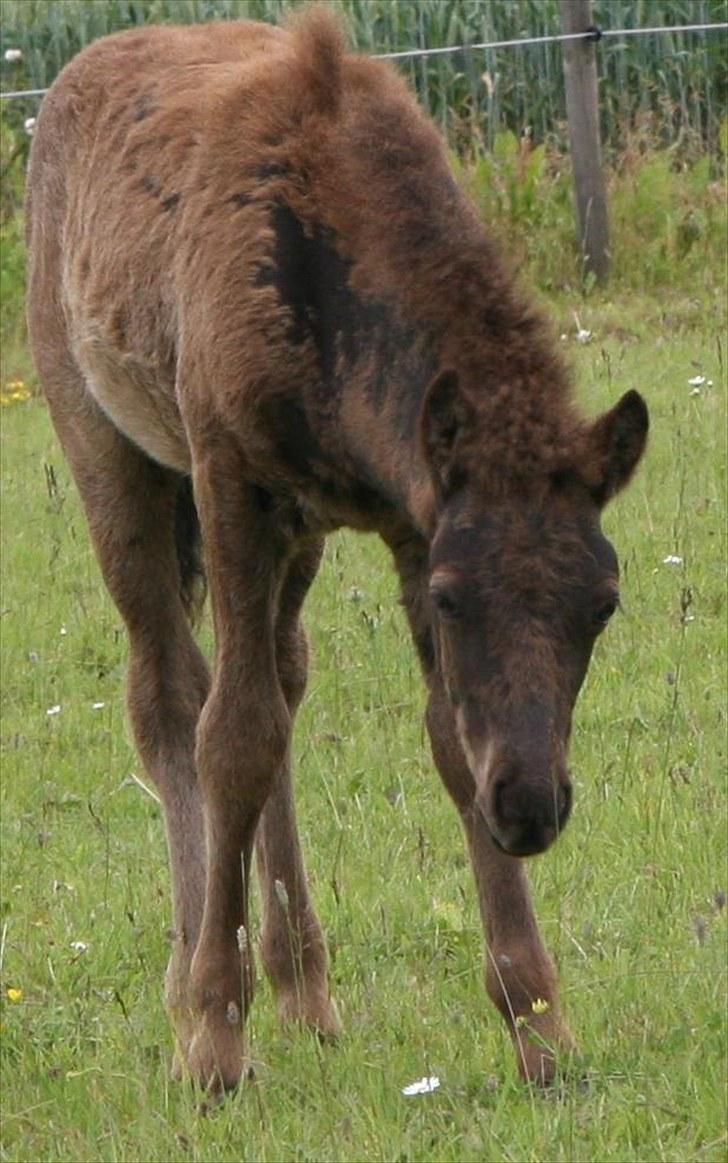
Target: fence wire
594, 34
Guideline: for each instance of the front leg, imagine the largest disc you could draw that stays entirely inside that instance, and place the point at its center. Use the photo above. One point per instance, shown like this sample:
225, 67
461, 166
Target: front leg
242, 741
520, 976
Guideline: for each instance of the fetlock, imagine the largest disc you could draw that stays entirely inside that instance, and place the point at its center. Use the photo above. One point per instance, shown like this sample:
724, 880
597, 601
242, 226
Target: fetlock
522, 985
297, 967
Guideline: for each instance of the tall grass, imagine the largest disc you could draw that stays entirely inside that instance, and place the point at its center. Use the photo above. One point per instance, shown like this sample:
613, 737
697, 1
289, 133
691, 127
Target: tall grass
674, 82
631, 899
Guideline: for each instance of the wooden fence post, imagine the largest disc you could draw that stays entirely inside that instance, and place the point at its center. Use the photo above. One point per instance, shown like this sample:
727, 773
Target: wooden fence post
580, 77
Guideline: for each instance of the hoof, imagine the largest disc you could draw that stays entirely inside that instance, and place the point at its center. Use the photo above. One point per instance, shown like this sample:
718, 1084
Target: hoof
215, 1060
316, 1011
179, 1012
544, 1050
183, 1029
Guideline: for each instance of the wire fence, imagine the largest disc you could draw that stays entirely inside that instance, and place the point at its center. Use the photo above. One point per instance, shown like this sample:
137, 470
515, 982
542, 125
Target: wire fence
595, 33
492, 74
662, 63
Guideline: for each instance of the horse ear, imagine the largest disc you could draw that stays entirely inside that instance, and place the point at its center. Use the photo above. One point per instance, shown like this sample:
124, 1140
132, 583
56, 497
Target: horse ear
616, 442
446, 416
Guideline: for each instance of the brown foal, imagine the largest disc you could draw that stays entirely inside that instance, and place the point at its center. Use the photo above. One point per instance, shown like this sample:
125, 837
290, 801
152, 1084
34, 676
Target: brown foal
261, 309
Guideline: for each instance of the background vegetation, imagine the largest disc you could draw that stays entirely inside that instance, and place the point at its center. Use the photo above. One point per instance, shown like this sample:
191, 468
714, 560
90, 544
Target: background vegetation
632, 899
673, 83
663, 101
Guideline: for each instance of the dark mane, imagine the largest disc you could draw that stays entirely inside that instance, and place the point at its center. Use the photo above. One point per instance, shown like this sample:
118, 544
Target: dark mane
380, 159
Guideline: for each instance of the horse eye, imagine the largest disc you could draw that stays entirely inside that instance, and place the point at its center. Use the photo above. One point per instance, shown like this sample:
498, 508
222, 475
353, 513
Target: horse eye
602, 615
445, 603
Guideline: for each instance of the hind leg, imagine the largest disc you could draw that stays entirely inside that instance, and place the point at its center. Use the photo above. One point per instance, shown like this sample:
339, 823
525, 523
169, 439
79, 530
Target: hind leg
130, 506
292, 944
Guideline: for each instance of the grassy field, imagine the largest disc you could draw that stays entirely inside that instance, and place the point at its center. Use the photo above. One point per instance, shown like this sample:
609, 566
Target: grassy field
631, 900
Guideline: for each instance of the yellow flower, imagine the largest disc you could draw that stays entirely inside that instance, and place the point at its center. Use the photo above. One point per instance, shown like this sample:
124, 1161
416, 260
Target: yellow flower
539, 1006
520, 1021
14, 390
15, 994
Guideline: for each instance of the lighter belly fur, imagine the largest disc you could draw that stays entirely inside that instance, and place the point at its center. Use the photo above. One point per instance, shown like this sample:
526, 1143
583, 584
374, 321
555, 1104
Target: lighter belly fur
138, 401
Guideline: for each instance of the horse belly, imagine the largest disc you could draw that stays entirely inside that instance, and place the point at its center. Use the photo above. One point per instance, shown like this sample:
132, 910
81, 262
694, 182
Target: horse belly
140, 401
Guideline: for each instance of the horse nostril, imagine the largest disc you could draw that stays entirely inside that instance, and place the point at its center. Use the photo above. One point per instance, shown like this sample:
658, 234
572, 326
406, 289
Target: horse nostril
527, 815
506, 800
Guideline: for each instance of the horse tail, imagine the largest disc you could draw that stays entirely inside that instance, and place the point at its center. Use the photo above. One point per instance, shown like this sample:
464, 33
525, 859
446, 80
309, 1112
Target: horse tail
188, 541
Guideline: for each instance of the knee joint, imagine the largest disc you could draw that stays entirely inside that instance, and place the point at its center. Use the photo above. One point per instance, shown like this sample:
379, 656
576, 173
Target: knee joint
244, 740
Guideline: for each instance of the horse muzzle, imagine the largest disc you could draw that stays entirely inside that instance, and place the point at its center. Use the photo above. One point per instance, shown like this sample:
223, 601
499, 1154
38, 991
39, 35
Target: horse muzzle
525, 813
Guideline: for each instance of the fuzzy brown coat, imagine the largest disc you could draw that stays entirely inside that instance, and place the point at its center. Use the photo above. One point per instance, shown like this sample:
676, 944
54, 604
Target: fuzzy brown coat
251, 269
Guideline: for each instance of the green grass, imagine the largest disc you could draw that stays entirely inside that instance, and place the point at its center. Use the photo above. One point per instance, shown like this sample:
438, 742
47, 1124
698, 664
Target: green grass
627, 899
